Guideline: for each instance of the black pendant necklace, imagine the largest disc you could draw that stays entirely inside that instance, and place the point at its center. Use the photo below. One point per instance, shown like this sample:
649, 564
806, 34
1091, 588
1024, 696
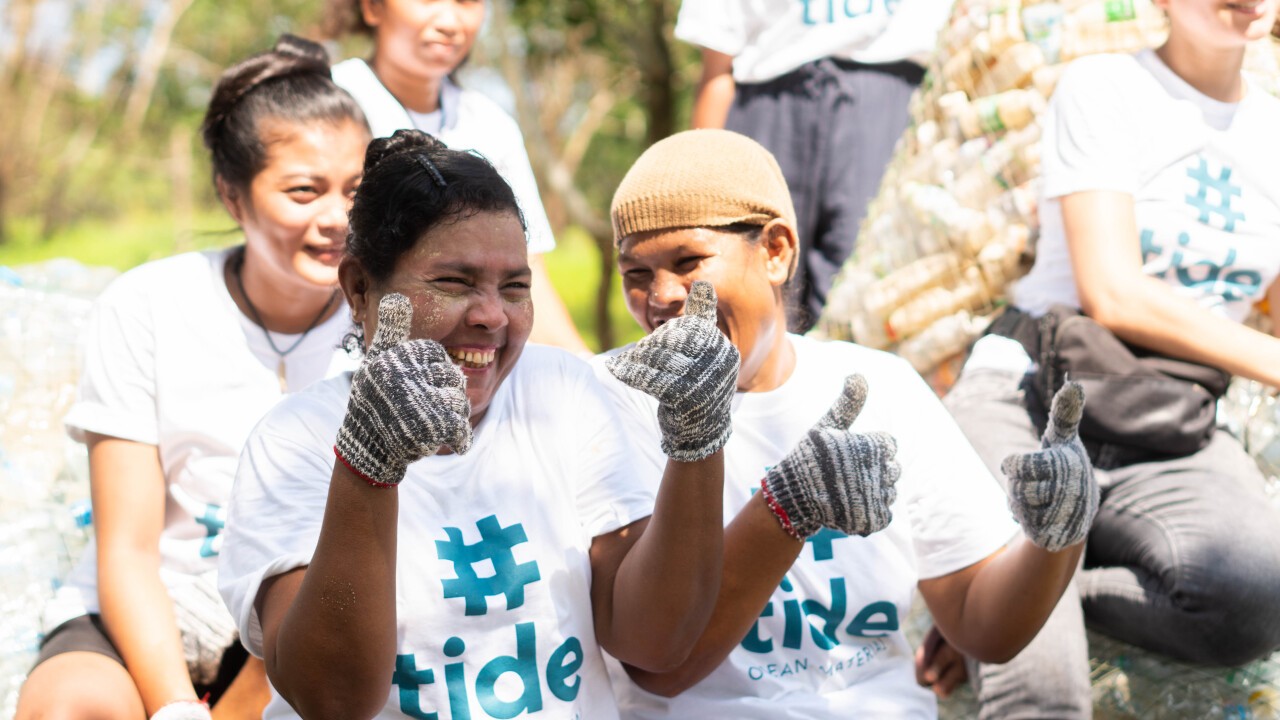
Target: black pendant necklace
257, 318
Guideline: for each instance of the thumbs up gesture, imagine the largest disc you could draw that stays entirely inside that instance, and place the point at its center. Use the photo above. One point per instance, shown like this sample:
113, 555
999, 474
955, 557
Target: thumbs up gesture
691, 368
407, 399
835, 478
1052, 491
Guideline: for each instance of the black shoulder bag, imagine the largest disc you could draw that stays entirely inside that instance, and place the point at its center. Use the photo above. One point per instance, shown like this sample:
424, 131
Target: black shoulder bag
1150, 404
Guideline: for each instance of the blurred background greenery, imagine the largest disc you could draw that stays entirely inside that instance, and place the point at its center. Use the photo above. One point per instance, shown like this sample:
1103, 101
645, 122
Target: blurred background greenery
101, 102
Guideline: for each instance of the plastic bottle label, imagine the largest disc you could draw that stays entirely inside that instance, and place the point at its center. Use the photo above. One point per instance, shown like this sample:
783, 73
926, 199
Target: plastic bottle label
989, 115
1119, 10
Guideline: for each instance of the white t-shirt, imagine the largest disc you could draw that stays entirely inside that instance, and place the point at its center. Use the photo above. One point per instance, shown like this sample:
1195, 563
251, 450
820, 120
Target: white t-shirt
547, 472
769, 38
467, 120
1203, 176
829, 644
171, 361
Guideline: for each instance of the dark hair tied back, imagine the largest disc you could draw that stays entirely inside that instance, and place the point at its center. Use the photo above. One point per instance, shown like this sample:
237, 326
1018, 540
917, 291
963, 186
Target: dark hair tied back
412, 183
290, 82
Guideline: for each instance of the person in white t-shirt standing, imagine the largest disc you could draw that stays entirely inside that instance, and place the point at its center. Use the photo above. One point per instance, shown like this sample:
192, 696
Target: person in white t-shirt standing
483, 580
1161, 222
824, 555
182, 357
408, 83
824, 85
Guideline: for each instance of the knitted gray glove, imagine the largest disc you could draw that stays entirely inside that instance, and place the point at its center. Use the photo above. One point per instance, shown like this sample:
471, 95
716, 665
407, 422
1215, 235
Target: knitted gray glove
205, 624
1052, 491
692, 370
835, 478
407, 399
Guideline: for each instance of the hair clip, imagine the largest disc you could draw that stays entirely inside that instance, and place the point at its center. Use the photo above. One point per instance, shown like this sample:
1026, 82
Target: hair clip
431, 169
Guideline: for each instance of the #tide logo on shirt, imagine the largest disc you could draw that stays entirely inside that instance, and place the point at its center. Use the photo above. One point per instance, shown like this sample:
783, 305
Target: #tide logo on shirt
509, 578
825, 619
1212, 256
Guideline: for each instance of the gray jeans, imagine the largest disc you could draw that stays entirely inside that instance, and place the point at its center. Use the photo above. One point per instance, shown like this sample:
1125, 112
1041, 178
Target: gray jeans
1183, 558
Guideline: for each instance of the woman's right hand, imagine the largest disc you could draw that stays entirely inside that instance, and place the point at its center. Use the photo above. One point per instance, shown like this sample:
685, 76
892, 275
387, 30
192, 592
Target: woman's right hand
407, 399
835, 478
691, 368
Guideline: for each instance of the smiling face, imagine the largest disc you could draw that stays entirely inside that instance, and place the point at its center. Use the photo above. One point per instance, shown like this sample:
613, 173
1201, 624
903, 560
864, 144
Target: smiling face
294, 211
468, 282
427, 39
748, 271
1217, 24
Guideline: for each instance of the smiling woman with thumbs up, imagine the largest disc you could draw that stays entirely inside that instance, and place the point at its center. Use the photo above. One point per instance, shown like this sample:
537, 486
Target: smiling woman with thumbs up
456, 529
847, 484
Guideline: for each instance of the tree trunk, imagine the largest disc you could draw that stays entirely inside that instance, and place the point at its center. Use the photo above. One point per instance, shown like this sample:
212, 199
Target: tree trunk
148, 67
183, 197
4, 203
658, 69
605, 334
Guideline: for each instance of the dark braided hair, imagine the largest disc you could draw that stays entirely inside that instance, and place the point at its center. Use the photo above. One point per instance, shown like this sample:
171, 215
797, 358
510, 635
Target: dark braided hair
412, 183
290, 82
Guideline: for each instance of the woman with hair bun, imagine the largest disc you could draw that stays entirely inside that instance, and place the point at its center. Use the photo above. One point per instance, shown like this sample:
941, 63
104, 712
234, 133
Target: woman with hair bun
456, 529
407, 83
182, 357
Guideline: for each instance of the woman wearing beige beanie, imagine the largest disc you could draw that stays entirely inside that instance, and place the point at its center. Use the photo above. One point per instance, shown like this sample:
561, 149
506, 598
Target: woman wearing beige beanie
837, 512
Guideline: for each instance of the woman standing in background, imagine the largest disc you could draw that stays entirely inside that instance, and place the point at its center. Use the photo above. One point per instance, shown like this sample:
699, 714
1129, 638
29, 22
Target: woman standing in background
407, 83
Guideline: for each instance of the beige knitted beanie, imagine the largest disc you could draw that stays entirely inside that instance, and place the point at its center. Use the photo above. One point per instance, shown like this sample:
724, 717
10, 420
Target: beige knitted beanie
701, 178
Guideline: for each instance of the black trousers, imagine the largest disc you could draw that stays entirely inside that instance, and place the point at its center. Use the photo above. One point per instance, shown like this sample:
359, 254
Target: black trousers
832, 125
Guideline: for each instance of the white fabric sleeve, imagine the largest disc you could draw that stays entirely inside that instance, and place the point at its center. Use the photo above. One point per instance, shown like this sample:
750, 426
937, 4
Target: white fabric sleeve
957, 511
637, 415
614, 489
719, 25
512, 163
1088, 142
117, 393
277, 506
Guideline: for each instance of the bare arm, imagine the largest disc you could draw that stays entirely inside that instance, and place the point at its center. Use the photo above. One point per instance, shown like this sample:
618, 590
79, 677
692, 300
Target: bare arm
757, 553
1102, 236
993, 608
715, 90
552, 324
654, 582
329, 629
128, 491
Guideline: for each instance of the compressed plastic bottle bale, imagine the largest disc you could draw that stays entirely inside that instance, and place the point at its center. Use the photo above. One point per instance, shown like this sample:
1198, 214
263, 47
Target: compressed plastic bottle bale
1013, 69
1042, 25
43, 475
921, 311
889, 292
1009, 110
944, 338
1112, 26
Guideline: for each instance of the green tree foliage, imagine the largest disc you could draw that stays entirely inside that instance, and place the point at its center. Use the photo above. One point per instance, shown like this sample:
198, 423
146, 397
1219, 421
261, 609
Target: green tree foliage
102, 99
596, 82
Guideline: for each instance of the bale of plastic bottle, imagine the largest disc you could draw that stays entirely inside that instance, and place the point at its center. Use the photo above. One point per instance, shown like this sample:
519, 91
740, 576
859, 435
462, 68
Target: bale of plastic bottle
955, 221
44, 477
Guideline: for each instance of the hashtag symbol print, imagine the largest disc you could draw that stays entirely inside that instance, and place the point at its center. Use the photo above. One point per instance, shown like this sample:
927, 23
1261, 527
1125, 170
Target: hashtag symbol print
509, 578
1224, 189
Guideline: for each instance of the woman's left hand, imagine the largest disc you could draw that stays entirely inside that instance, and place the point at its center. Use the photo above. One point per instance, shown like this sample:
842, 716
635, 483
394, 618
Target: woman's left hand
692, 370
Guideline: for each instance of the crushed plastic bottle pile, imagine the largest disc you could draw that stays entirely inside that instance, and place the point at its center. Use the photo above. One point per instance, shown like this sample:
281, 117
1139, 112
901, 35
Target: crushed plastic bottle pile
44, 477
